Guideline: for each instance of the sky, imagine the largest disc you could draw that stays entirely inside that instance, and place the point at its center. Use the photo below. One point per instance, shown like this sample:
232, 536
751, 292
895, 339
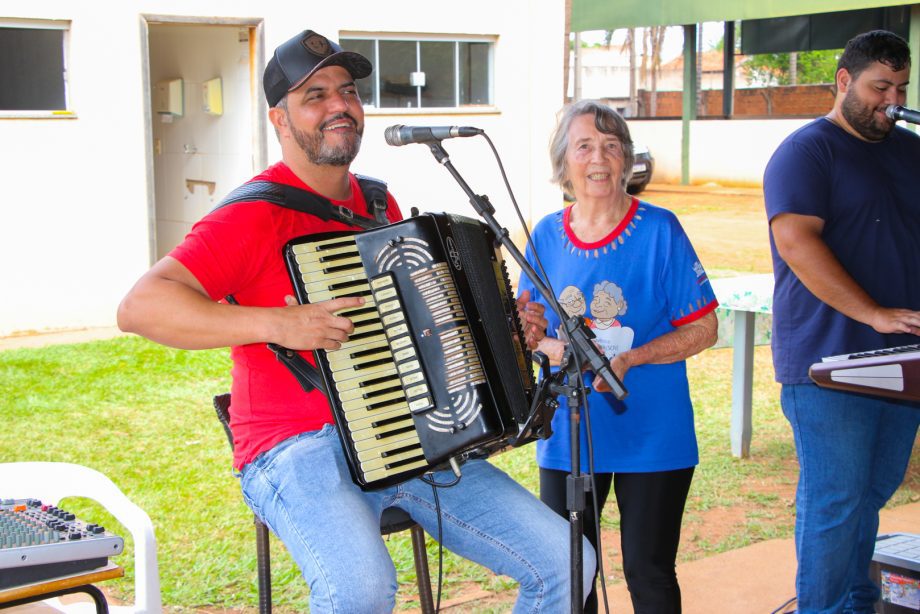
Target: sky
673, 39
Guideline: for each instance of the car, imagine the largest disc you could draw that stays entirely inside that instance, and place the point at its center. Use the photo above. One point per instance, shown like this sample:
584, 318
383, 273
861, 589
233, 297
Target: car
643, 165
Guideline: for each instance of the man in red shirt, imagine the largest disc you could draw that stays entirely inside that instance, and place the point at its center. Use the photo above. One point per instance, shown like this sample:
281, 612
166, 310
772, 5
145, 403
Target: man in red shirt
292, 467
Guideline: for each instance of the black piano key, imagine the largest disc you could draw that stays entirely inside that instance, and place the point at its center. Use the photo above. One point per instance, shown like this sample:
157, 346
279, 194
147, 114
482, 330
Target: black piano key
369, 351
396, 451
334, 257
374, 363
405, 461
377, 393
405, 429
331, 270
343, 242
376, 380
347, 284
386, 421
363, 335
374, 406
886, 351
360, 311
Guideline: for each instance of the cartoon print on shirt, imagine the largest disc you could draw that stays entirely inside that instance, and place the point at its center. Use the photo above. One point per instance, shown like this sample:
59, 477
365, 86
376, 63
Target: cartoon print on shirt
573, 303
607, 304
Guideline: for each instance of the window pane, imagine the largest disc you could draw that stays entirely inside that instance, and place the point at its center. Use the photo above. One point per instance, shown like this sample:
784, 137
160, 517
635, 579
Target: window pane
396, 62
474, 74
438, 66
366, 85
32, 70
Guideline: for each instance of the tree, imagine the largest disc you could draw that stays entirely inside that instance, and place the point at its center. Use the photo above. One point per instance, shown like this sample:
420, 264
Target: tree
628, 46
566, 48
652, 43
778, 68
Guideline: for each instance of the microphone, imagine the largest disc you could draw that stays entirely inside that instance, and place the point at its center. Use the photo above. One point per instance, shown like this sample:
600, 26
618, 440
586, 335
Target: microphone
403, 135
896, 112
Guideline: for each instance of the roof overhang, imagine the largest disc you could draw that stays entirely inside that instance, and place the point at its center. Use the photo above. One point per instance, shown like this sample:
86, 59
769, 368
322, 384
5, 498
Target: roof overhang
613, 14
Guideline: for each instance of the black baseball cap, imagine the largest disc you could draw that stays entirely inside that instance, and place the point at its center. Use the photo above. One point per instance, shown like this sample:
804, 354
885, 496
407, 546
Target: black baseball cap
298, 58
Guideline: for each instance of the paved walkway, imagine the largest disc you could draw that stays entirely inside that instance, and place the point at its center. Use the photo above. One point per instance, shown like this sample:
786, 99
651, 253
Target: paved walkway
757, 579
37, 340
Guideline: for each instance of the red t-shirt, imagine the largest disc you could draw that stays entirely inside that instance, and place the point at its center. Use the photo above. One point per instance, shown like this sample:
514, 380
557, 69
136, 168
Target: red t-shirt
238, 250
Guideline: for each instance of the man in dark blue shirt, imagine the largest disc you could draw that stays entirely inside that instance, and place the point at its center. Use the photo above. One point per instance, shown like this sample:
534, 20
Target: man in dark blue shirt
843, 199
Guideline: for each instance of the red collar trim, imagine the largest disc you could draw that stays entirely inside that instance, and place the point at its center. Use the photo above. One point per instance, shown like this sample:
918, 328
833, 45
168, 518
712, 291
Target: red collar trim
616, 232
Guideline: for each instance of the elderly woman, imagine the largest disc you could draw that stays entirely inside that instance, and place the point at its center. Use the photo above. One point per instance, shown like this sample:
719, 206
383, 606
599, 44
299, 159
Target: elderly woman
628, 269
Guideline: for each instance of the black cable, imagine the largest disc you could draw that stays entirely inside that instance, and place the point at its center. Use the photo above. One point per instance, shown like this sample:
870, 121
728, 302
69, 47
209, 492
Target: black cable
589, 440
784, 606
533, 249
437, 510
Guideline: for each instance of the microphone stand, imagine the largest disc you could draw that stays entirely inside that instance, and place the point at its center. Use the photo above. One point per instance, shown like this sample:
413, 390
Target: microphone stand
565, 382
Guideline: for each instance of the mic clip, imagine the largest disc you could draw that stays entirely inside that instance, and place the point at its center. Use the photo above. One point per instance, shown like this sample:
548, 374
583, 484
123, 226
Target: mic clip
581, 337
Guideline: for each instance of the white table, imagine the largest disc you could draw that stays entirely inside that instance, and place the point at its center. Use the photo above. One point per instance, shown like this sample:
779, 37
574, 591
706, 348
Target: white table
746, 296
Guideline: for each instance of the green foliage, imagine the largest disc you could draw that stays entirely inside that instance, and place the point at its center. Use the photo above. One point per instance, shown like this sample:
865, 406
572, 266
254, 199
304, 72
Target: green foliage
812, 67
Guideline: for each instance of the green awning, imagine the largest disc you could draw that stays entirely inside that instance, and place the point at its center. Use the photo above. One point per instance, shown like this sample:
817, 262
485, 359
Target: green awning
613, 14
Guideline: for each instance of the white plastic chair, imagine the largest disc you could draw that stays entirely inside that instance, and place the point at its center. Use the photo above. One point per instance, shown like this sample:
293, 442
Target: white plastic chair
52, 482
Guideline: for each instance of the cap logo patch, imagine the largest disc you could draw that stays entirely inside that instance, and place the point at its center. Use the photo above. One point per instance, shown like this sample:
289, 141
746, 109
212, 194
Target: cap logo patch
317, 44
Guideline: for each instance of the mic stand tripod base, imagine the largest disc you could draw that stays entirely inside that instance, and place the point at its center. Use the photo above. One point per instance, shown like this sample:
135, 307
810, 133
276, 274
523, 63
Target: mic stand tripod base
577, 485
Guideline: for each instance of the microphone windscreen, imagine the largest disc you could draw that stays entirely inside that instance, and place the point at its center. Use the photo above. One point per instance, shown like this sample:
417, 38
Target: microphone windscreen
392, 135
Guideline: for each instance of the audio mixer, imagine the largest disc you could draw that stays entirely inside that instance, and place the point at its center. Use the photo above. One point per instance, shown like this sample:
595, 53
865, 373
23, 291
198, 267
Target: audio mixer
39, 541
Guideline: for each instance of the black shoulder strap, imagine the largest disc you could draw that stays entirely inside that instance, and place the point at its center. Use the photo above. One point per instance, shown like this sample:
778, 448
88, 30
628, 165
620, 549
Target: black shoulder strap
306, 374
374, 190
375, 195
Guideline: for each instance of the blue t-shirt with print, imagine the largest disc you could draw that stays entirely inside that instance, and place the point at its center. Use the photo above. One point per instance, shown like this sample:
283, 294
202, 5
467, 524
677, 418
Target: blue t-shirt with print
868, 194
638, 283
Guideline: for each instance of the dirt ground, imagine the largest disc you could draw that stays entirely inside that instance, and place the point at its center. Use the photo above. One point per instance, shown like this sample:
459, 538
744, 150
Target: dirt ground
727, 226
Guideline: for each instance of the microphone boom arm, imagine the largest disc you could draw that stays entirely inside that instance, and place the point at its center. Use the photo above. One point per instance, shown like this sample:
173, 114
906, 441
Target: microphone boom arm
579, 335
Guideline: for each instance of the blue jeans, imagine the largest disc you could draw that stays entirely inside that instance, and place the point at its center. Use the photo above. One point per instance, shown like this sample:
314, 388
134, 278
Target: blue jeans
302, 490
853, 452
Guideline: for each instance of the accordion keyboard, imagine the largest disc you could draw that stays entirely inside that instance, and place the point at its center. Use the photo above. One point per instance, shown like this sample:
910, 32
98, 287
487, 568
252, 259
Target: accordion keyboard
376, 374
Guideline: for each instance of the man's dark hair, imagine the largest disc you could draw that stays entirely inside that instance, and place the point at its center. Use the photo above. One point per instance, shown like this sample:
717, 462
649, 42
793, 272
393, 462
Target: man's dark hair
875, 46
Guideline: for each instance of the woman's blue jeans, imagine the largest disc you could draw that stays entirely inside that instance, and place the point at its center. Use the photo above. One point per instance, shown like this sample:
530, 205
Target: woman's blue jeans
302, 490
853, 451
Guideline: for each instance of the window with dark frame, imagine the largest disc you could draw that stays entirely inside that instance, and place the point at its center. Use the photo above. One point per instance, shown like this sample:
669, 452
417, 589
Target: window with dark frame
429, 74
32, 73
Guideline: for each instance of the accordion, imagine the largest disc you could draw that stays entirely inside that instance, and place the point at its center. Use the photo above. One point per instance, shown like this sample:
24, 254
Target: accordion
436, 369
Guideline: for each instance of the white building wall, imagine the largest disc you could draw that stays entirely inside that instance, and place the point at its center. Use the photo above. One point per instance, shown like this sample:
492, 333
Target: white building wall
76, 226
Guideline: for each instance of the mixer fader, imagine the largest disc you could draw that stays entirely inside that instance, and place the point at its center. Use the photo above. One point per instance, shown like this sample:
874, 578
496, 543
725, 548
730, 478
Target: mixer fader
40, 541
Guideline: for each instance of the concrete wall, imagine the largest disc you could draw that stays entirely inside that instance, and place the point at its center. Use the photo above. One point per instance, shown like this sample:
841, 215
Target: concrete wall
78, 222
721, 151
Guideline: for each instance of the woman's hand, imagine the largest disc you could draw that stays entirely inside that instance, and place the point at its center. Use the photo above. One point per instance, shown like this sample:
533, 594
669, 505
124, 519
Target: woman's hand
531, 316
553, 348
619, 364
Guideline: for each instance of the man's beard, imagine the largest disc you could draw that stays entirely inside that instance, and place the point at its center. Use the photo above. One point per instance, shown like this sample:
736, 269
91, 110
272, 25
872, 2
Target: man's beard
320, 152
862, 118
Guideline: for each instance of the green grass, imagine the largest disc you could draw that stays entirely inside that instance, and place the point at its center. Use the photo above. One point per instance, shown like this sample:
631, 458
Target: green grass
141, 414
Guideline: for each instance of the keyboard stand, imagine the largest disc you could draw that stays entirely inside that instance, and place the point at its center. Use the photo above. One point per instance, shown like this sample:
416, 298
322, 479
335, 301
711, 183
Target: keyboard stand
67, 585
